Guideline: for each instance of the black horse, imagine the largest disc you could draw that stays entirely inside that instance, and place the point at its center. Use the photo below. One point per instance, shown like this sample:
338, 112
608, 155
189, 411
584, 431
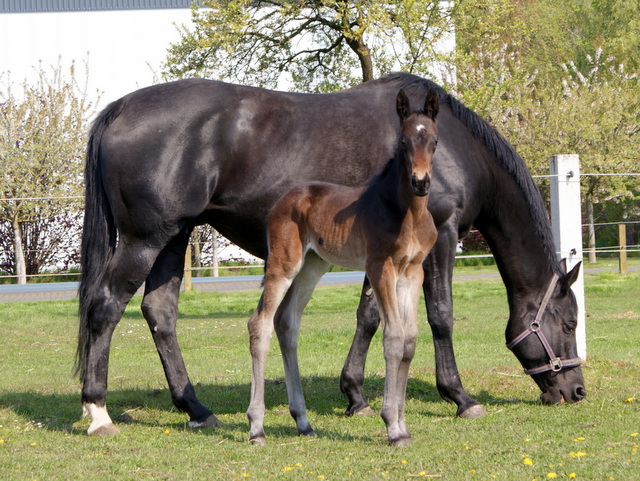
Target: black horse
164, 159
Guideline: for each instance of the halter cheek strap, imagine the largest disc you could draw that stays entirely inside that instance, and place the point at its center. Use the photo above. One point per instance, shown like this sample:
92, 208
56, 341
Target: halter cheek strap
555, 363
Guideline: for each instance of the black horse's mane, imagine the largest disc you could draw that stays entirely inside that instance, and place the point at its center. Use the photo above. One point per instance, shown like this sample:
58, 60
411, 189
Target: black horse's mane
504, 153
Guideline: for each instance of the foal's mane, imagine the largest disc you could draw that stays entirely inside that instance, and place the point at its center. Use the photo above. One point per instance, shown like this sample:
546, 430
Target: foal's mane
504, 153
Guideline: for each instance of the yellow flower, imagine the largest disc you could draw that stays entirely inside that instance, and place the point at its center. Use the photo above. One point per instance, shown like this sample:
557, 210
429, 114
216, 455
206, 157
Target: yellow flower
404, 461
245, 475
552, 475
320, 476
298, 465
579, 439
572, 475
629, 400
634, 434
34, 444
1, 441
579, 454
527, 461
166, 431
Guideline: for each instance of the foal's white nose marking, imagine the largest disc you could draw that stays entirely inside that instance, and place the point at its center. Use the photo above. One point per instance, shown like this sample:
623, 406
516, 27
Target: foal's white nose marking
420, 128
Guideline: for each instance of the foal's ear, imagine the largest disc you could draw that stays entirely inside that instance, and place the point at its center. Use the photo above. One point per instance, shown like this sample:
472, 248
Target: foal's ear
402, 105
432, 104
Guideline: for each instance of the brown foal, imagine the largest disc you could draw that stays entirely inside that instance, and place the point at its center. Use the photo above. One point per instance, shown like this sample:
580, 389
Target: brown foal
383, 227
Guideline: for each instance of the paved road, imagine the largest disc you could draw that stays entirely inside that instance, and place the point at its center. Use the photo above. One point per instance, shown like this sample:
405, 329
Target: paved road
68, 290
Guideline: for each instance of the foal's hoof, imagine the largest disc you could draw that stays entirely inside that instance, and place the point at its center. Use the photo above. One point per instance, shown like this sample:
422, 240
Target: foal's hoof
104, 430
210, 422
258, 441
474, 412
400, 442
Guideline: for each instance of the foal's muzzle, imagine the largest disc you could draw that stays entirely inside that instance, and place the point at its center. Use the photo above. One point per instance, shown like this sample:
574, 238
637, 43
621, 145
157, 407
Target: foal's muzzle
422, 186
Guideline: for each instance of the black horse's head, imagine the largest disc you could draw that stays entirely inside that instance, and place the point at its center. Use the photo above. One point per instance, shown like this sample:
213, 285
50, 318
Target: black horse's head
541, 333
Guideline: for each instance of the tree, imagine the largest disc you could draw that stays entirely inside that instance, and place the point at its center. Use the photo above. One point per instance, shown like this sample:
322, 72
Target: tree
321, 45
566, 95
42, 141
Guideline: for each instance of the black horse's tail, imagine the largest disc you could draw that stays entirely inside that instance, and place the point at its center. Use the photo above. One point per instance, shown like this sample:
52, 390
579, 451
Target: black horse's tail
99, 234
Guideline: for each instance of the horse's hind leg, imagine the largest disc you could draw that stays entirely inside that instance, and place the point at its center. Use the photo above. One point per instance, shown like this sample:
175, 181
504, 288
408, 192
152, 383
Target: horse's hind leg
124, 275
160, 308
352, 376
287, 326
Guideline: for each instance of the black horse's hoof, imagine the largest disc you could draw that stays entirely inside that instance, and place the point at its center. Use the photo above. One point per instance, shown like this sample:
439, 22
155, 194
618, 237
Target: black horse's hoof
474, 412
210, 422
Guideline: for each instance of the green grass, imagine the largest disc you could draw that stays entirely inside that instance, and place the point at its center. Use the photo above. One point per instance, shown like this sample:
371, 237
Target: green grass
42, 436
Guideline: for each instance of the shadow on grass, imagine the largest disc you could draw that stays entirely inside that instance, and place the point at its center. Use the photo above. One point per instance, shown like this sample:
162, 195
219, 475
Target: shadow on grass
60, 412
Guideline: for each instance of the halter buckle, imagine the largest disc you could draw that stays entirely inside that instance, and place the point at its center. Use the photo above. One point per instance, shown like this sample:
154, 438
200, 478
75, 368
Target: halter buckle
556, 364
535, 326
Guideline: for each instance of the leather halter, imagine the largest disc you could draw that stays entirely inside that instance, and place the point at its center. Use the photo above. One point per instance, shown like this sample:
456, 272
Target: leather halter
555, 363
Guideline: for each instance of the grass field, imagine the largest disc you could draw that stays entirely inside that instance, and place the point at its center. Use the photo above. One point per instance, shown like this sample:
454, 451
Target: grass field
43, 438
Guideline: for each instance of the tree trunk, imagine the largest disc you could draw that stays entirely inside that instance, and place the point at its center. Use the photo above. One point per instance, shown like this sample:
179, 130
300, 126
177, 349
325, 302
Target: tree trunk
215, 262
591, 231
18, 250
364, 56
197, 260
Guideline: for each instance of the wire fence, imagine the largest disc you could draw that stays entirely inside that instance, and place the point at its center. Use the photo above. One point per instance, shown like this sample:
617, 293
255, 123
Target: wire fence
243, 260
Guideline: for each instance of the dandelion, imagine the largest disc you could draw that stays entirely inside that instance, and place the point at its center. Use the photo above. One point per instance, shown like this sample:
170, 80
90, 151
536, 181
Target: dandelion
287, 468
166, 431
629, 400
245, 475
423, 473
579, 454
572, 475
320, 476
577, 440
404, 461
298, 465
634, 434
1, 441
552, 475
33, 444
527, 461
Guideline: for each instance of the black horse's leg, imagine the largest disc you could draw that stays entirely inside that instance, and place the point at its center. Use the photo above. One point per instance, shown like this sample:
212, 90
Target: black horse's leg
123, 276
352, 376
438, 296
160, 308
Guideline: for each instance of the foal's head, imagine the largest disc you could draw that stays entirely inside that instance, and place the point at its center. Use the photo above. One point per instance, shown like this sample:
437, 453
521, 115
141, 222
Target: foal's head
418, 139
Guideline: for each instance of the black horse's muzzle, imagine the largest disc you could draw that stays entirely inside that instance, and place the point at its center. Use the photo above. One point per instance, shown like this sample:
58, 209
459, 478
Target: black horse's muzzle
422, 186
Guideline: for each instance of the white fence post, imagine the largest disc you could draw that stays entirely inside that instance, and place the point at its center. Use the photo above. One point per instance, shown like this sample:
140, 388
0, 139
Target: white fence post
566, 220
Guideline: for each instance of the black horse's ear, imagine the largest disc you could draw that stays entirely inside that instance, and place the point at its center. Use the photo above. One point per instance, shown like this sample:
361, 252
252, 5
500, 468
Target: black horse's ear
402, 105
432, 104
569, 278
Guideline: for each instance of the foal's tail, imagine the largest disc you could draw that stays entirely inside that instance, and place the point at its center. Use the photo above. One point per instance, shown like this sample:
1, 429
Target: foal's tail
99, 233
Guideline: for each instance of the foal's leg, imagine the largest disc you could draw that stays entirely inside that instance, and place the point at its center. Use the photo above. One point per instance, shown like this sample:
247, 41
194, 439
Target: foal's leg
160, 308
383, 280
124, 275
287, 326
283, 264
408, 294
352, 376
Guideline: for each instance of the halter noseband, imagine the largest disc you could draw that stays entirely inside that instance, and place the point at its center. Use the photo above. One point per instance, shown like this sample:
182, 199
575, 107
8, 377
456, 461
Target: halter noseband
555, 363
